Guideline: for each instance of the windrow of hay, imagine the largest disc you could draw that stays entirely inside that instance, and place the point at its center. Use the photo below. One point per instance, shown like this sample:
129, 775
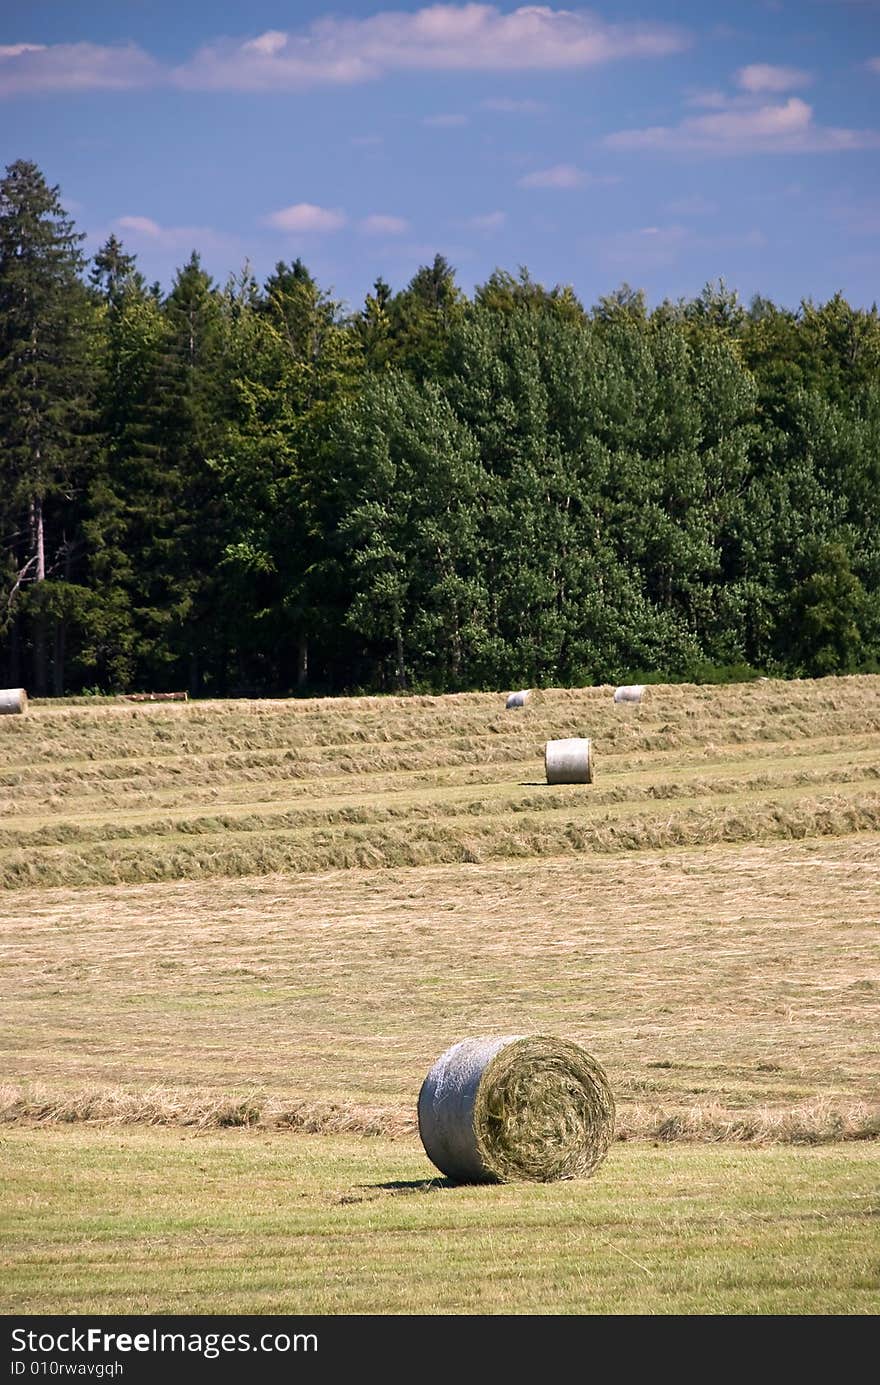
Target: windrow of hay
202, 1110
815, 1122
438, 841
531, 1108
818, 1122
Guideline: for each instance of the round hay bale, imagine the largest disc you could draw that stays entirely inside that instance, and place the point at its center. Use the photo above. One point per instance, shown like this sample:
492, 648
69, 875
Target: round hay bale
569, 761
12, 700
518, 699
494, 1110
633, 692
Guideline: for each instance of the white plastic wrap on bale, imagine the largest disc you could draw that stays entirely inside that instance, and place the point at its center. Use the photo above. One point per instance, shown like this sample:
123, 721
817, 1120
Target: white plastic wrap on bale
446, 1107
536, 1108
633, 692
518, 699
12, 700
569, 761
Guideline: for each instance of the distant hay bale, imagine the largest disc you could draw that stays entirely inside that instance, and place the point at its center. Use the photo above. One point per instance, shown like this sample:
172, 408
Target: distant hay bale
518, 699
12, 701
493, 1110
632, 692
156, 697
569, 761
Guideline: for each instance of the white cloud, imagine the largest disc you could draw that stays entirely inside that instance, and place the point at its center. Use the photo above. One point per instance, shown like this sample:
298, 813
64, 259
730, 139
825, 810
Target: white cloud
143, 225
764, 77
445, 122
15, 50
30, 68
305, 216
774, 129
559, 176
443, 38
470, 37
508, 106
487, 222
267, 45
655, 247
564, 176
380, 224
144, 231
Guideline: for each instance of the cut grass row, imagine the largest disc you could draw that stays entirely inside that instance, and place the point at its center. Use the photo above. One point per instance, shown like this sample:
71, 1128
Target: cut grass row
90, 820
407, 725
233, 848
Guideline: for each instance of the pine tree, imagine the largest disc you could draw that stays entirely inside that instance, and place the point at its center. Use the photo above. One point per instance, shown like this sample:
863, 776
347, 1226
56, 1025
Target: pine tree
45, 320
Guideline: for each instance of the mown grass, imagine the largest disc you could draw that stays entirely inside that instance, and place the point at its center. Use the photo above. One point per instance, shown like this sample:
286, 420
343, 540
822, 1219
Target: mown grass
115, 794
728, 980
141, 1221
276, 915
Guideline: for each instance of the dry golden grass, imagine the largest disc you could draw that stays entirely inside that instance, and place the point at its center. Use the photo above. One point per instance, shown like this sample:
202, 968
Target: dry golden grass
719, 987
112, 793
280, 912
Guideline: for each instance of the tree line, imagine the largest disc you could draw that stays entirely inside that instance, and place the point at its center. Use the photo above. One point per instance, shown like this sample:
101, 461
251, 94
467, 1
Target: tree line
246, 489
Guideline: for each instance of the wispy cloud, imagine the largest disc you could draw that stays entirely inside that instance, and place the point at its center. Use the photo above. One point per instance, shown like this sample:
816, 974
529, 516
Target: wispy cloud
771, 129
508, 105
341, 50
656, 247
142, 231
710, 97
380, 224
559, 176
487, 222
873, 64
445, 122
35, 68
443, 38
305, 216
765, 77
563, 176
15, 50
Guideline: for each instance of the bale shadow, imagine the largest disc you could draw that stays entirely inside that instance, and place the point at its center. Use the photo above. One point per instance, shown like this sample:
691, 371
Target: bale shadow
414, 1185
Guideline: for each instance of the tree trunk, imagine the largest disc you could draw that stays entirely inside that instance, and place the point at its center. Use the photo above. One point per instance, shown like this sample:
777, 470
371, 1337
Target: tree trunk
39, 547
302, 661
400, 669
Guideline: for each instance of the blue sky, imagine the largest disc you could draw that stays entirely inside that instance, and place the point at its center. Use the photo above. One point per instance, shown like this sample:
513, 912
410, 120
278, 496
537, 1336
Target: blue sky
655, 143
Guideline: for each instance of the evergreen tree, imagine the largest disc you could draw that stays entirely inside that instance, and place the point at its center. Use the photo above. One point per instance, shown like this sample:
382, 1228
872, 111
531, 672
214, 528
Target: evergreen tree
45, 377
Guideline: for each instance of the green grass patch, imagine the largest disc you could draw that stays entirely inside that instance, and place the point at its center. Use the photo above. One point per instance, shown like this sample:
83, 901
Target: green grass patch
106, 1221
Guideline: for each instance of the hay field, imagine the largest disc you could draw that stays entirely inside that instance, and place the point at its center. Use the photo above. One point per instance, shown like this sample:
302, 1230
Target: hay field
124, 794
276, 915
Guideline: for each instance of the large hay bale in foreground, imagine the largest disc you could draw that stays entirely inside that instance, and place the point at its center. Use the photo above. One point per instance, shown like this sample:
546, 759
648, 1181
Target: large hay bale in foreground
518, 699
569, 761
12, 700
493, 1110
632, 692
